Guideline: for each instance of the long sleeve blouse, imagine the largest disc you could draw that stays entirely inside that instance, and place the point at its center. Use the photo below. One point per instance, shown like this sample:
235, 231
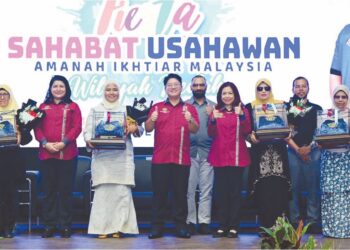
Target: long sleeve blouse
229, 132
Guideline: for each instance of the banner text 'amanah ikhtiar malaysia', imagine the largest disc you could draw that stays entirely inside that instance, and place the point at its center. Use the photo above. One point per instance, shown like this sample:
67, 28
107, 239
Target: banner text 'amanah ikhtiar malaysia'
137, 43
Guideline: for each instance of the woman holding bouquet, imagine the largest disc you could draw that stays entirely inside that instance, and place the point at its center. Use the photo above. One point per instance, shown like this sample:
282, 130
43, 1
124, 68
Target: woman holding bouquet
11, 166
335, 177
229, 124
57, 133
269, 181
112, 171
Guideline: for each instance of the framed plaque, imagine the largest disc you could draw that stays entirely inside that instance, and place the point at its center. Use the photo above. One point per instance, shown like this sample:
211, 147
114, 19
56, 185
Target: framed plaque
8, 131
108, 130
332, 128
270, 122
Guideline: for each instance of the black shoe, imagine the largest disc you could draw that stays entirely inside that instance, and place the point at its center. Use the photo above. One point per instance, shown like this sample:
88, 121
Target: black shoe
314, 229
219, 233
232, 233
66, 233
155, 233
183, 233
48, 232
204, 228
191, 228
8, 233
263, 234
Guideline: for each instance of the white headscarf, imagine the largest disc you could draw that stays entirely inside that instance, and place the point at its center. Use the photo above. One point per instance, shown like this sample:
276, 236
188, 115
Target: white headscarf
345, 90
105, 102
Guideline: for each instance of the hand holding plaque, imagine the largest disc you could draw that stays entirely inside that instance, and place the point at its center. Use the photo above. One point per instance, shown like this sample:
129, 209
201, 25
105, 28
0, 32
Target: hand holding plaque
270, 122
109, 130
8, 132
332, 128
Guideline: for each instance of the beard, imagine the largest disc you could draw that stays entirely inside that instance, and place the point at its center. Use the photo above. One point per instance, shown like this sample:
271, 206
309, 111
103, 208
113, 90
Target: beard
199, 93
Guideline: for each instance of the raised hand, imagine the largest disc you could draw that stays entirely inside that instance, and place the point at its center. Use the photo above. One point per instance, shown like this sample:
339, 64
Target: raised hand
209, 109
238, 109
154, 115
187, 114
217, 114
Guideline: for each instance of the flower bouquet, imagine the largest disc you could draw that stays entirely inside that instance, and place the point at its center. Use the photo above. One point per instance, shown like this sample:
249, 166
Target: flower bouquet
27, 118
138, 112
299, 108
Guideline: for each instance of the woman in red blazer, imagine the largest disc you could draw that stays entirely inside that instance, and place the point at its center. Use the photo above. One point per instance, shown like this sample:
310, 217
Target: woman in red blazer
229, 125
57, 133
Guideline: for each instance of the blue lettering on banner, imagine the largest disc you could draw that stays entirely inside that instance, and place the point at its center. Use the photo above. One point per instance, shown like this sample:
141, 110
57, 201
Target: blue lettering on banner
222, 48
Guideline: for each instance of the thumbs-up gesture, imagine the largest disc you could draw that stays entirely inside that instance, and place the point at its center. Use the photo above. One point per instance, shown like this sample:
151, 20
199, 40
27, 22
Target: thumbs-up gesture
217, 114
187, 114
238, 109
154, 115
209, 109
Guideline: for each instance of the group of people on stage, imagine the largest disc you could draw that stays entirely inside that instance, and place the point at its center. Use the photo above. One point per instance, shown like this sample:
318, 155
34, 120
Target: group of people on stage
198, 144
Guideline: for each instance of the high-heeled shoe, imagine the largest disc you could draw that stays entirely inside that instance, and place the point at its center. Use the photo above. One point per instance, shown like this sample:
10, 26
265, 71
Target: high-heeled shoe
8, 233
66, 233
232, 233
219, 233
102, 236
116, 235
48, 232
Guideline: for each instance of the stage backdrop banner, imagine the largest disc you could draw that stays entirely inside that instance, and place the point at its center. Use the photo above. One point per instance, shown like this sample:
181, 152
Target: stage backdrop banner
138, 42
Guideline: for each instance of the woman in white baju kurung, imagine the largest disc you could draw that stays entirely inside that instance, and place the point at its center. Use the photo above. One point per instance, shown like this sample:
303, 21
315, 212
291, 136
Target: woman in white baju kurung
112, 172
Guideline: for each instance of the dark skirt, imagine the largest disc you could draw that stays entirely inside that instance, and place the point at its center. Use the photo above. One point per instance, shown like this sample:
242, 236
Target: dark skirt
269, 181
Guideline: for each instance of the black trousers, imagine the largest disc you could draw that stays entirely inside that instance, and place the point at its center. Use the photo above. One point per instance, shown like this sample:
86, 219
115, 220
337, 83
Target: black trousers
8, 206
58, 181
165, 176
227, 194
12, 173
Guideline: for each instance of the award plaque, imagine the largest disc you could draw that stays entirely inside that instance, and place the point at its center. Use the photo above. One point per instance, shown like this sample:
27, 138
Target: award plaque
8, 131
108, 130
270, 122
332, 128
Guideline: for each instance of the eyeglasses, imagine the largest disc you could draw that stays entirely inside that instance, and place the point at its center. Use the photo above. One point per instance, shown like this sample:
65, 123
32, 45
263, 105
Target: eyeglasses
175, 86
340, 97
267, 88
195, 85
4, 95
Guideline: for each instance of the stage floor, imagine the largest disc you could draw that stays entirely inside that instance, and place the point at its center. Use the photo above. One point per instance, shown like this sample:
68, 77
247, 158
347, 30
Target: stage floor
80, 240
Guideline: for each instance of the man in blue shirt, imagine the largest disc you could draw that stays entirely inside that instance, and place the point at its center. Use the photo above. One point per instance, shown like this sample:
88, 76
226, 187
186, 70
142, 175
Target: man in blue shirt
340, 69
